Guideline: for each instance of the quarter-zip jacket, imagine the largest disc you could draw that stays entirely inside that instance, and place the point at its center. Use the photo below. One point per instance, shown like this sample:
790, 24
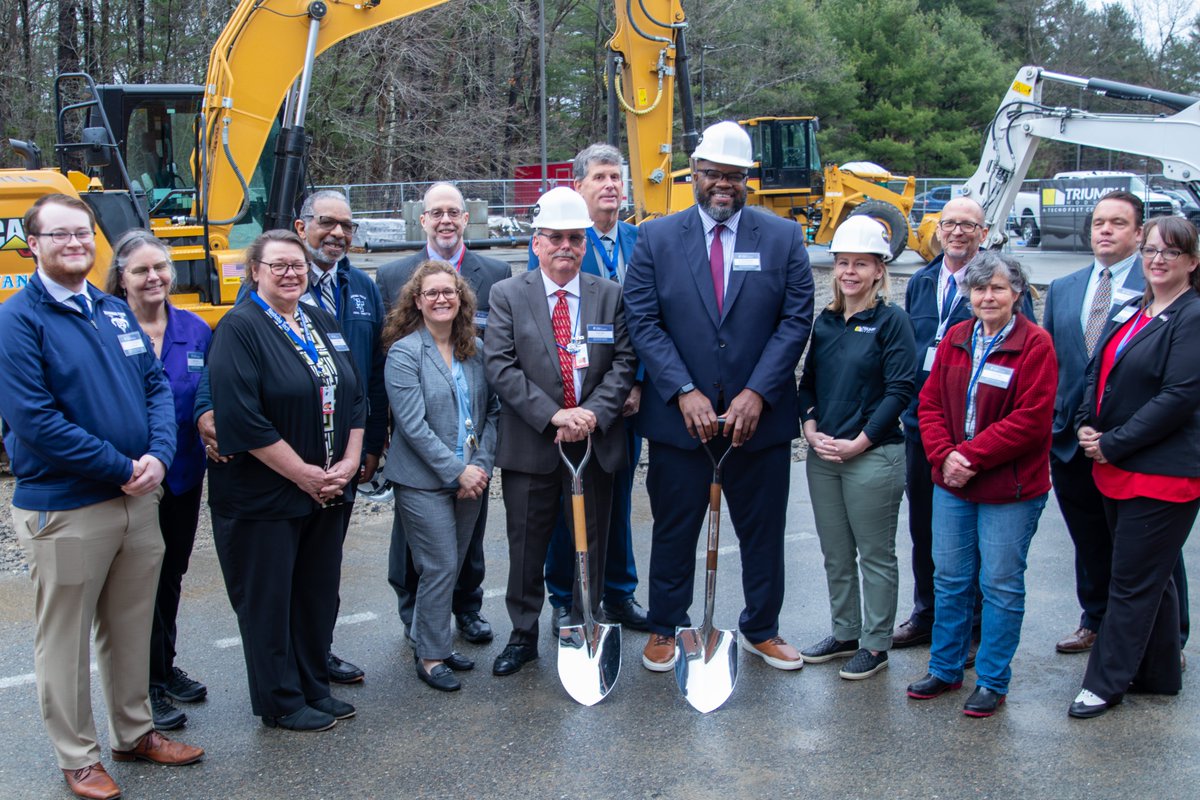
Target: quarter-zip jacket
77, 410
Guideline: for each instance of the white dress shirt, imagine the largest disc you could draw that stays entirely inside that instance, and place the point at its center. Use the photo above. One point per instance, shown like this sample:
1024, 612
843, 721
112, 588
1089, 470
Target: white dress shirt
573, 299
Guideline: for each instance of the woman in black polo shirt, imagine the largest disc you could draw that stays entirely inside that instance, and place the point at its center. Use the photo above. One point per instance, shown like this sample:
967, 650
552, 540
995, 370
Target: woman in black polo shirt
857, 378
290, 408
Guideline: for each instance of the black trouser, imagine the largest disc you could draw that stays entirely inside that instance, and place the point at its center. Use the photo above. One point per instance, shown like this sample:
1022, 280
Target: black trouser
282, 578
1139, 636
402, 575
178, 515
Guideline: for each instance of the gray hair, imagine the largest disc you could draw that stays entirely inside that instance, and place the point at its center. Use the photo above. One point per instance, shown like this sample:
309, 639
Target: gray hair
462, 202
986, 263
306, 210
129, 243
599, 153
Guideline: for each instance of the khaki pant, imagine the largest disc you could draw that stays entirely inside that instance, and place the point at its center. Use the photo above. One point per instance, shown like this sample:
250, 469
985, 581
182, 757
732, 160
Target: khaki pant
97, 565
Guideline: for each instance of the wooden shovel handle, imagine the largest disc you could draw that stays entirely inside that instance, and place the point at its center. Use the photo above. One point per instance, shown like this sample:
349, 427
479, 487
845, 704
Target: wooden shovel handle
580, 523
714, 521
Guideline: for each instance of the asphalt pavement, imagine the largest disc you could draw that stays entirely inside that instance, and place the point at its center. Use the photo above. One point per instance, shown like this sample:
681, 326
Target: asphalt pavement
781, 734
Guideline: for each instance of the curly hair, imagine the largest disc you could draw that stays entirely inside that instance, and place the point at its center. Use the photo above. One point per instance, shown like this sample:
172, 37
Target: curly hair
405, 317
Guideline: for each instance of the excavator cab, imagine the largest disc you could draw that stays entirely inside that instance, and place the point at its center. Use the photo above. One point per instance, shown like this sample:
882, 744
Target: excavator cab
786, 151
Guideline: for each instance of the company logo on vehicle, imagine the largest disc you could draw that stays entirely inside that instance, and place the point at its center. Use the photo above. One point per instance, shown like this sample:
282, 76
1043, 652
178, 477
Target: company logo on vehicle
14, 237
1082, 197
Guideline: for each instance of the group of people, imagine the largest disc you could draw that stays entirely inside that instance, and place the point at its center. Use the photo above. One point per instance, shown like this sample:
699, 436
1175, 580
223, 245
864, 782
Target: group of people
685, 329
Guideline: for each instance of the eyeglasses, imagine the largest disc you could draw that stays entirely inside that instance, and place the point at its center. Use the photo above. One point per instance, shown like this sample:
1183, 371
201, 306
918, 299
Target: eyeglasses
329, 223
556, 239
82, 236
140, 272
966, 226
433, 294
281, 268
448, 213
716, 175
1170, 254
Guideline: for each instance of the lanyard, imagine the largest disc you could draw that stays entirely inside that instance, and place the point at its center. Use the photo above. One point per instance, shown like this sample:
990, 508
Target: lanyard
305, 344
602, 252
576, 340
974, 382
1140, 321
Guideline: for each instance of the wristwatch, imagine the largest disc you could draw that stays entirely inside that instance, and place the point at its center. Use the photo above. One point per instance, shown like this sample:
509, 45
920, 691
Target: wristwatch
687, 387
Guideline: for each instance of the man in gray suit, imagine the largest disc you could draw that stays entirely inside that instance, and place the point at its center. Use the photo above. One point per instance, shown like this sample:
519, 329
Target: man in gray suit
558, 355
1078, 307
444, 221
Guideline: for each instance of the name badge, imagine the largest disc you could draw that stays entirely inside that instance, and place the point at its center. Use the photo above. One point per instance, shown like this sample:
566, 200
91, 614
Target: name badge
328, 404
600, 334
930, 355
996, 375
481, 319
1125, 295
338, 342
746, 262
581, 357
1124, 314
195, 362
132, 343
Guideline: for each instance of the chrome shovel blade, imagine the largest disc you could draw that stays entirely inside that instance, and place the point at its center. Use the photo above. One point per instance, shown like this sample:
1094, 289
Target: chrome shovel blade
705, 666
589, 660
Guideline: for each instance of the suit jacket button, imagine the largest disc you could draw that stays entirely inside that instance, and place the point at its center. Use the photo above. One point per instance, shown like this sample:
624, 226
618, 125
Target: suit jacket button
720, 344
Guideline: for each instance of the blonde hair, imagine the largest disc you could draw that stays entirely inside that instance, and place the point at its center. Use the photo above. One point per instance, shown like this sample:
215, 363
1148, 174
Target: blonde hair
882, 287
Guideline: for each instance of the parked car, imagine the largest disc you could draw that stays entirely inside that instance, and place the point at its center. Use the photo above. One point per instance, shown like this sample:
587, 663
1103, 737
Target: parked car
1187, 203
933, 201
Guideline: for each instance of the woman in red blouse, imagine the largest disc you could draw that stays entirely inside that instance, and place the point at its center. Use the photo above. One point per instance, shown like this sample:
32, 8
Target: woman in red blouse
1140, 423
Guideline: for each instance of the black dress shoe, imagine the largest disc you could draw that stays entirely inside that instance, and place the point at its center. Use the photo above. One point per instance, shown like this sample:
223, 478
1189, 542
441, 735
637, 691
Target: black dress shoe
440, 678
306, 719
342, 671
910, 634
1081, 710
983, 702
560, 617
513, 658
930, 687
474, 628
338, 709
628, 613
458, 662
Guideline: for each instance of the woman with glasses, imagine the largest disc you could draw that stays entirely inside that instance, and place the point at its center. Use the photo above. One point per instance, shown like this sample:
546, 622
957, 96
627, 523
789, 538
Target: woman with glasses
290, 410
1140, 424
142, 273
442, 448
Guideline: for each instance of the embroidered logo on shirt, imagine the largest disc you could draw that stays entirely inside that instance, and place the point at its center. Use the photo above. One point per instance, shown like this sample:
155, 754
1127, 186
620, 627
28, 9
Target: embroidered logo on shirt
360, 304
118, 319
865, 329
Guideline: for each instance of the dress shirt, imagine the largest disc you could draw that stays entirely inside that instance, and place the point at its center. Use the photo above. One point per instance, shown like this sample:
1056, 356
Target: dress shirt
1118, 272
62, 294
572, 289
728, 239
454, 261
315, 274
962, 295
614, 235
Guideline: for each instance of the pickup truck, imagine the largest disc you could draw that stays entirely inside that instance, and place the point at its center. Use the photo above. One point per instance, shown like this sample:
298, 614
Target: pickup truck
1026, 212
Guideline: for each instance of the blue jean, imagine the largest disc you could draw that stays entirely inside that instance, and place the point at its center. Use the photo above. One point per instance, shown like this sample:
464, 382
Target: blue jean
991, 540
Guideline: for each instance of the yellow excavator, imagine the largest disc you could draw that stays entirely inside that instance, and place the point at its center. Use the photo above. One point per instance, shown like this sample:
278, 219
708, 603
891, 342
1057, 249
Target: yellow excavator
648, 57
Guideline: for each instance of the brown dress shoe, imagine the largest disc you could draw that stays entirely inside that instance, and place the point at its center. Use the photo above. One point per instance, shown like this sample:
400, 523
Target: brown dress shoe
161, 750
92, 782
776, 652
1078, 642
659, 655
910, 634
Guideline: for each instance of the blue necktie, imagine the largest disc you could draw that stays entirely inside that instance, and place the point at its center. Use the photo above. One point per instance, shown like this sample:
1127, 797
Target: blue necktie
81, 300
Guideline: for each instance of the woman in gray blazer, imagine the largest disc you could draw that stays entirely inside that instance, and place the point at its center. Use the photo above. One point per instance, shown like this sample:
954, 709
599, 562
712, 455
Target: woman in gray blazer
442, 448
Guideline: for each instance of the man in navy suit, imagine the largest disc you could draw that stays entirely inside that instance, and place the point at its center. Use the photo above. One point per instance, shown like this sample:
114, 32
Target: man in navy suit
719, 302
610, 246
1077, 308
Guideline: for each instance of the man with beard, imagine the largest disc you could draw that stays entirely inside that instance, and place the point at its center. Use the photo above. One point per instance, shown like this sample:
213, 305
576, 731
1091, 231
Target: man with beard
444, 221
719, 301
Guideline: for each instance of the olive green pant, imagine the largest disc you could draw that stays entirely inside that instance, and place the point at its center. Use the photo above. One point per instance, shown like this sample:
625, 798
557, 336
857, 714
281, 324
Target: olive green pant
855, 505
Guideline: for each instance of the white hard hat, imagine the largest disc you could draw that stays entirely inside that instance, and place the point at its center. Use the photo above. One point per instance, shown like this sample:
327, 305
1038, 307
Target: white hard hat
861, 234
561, 209
726, 143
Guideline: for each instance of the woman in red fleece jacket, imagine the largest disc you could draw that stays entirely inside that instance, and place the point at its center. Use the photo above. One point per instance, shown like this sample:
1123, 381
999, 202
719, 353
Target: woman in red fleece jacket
985, 414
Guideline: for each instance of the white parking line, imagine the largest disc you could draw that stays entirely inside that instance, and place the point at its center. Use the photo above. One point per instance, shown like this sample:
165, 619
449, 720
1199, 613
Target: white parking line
27, 678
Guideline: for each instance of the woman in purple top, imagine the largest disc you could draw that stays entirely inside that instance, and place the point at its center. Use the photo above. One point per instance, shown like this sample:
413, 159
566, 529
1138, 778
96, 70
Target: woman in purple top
142, 274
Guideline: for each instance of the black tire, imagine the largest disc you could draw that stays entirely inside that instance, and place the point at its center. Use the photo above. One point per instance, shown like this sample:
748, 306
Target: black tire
892, 221
1030, 231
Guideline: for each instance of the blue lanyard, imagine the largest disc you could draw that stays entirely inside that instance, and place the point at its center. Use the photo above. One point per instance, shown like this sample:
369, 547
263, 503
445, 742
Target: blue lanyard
1133, 331
983, 361
305, 344
602, 252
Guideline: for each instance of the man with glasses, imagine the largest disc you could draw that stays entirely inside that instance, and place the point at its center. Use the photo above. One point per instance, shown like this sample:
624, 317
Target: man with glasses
1078, 308
444, 220
936, 299
558, 355
89, 425
610, 244
720, 305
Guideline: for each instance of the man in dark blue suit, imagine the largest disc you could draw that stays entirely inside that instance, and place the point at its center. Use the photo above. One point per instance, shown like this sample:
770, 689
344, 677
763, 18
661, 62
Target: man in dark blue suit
610, 246
1077, 308
719, 303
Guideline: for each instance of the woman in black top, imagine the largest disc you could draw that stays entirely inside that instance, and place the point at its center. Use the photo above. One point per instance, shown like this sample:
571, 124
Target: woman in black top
290, 408
857, 378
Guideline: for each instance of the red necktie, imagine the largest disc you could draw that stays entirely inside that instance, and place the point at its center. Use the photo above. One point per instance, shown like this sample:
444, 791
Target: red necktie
561, 320
716, 263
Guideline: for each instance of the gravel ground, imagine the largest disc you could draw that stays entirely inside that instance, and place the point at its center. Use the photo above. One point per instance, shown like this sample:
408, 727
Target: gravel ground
12, 558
